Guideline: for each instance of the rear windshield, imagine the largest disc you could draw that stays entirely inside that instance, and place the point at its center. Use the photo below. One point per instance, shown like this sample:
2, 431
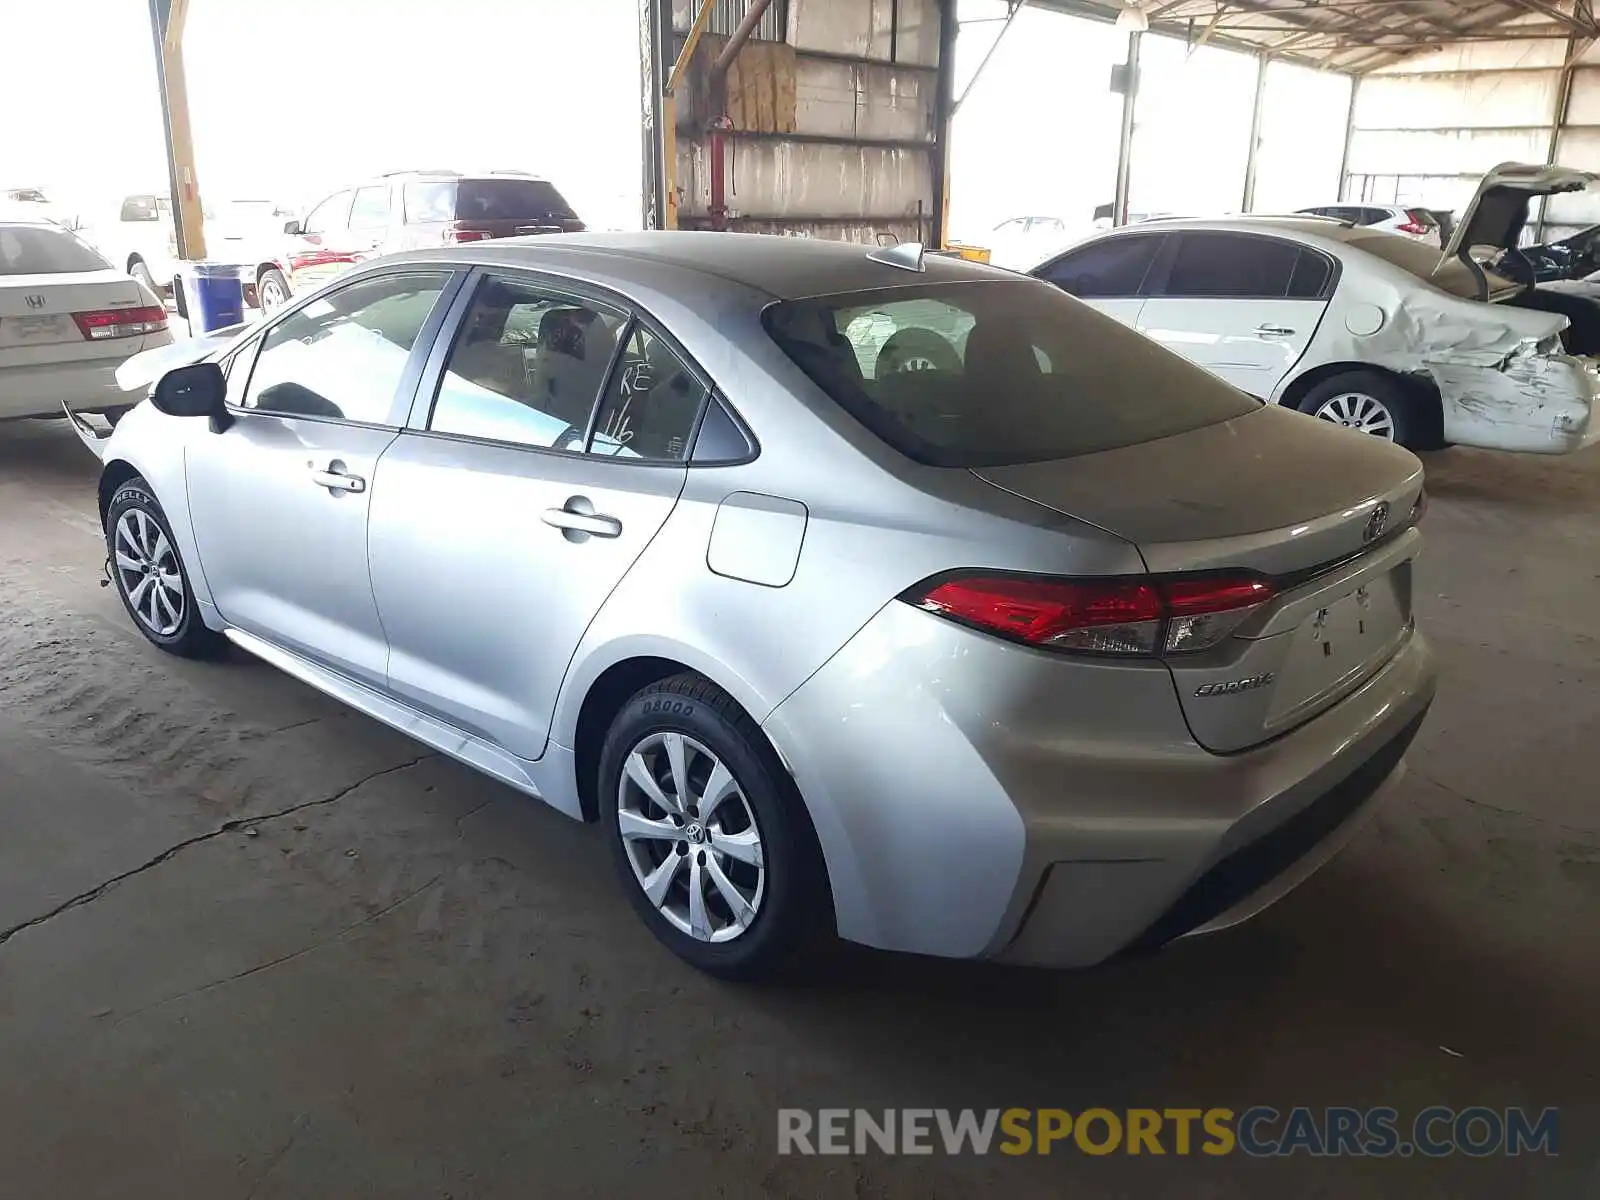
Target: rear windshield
988, 373
486, 200
34, 250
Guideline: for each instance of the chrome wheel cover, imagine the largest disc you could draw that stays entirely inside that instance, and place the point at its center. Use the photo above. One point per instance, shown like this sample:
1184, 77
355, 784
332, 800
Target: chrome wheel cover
271, 295
148, 573
1359, 411
691, 837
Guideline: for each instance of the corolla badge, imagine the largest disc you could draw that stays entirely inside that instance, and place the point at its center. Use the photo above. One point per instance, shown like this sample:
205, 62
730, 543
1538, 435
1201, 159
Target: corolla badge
1230, 686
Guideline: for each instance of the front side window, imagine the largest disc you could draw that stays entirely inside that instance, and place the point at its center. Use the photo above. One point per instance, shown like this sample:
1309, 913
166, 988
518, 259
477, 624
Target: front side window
1231, 266
527, 367
371, 208
342, 355
332, 214
651, 403
997, 372
1112, 267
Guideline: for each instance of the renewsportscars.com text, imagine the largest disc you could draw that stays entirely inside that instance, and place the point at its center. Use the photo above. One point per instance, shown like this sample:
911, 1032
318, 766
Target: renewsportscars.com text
1260, 1131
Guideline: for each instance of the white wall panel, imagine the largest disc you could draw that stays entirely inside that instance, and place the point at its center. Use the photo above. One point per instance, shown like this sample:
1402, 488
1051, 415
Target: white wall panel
1482, 56
1442, 152
1457, 101
1583, 107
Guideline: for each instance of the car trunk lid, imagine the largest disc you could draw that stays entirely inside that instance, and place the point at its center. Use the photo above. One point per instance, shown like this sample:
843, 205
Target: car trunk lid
1498, 210
1322, 513
38, 322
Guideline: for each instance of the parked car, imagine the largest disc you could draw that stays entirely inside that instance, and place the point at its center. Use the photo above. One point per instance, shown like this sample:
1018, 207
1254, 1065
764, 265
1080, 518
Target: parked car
922, 655
68, 319
1575, 257
1419, 223
142, 241
407, 210
1357, 327
36, 205
1022, 242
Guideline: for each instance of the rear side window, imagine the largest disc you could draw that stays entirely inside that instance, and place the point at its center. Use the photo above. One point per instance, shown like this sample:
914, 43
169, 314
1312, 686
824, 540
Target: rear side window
526, 368
1116, 266
371, 208
531, 201
995, 372
37, 250
651, 403
1238, 266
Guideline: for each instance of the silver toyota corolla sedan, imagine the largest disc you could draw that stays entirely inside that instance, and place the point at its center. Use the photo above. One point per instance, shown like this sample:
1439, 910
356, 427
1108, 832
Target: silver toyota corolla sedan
847, 590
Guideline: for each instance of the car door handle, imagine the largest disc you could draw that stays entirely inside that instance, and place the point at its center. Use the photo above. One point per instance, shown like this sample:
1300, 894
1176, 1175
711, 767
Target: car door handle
337, 481
572, 519
1274, 331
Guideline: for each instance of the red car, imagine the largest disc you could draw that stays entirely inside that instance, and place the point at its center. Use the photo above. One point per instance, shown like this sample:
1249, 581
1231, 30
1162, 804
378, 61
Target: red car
407, 210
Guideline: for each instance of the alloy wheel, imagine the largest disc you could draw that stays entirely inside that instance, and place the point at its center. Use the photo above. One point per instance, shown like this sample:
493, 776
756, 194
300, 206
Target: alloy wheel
148, 573
691, 837
1359, 411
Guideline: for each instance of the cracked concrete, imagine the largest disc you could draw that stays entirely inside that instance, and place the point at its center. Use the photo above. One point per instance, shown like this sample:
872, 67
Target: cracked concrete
419, 984
100, 889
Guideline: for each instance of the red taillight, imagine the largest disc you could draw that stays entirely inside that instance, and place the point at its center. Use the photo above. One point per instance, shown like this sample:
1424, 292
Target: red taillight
104, 323
467, 235
1413, 227
1114, 616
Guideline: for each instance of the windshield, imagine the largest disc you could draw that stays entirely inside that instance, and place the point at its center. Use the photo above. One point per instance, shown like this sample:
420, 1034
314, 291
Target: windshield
995, 372
35, 250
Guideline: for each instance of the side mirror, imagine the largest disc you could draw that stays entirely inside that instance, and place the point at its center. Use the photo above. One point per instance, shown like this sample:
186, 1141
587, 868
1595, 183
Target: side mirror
198, 390
293, 228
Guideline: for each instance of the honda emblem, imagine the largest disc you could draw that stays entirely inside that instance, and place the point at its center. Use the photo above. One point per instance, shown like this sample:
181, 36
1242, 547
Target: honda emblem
35, 301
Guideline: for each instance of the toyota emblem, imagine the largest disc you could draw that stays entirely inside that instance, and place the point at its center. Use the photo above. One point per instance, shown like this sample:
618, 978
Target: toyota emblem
1377, 522
35, 300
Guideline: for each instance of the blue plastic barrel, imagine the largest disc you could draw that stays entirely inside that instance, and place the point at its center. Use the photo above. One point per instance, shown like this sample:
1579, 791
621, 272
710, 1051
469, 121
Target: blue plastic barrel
213, 295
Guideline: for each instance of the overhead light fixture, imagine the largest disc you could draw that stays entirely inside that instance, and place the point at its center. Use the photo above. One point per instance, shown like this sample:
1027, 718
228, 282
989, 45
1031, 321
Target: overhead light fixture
1132, 19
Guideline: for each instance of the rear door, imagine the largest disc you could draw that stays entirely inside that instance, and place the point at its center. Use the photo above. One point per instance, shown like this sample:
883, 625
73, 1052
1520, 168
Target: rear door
1109, 273
546, 449
1242, 305
369, 222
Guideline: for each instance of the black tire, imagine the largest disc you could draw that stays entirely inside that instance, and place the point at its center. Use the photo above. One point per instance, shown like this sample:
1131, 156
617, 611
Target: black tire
189, 637
916, 350
1404, 407
272, 278
793, 901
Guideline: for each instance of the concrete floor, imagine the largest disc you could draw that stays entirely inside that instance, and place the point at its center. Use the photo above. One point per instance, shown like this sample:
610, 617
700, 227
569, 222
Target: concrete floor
253, 945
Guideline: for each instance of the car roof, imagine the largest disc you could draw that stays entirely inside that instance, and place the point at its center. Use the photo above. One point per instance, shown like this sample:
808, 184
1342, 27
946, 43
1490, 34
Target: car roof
785, 268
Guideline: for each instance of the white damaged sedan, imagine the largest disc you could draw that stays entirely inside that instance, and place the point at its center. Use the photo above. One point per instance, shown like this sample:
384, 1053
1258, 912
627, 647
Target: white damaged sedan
1365, 329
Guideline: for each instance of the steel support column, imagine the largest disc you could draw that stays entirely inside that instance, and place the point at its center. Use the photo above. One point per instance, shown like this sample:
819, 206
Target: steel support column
944, 103
1130, 94
167, 19
1255, 136
1349, 135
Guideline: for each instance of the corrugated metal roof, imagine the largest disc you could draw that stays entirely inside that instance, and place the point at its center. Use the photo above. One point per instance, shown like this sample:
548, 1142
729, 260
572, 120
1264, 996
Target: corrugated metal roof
1352, 35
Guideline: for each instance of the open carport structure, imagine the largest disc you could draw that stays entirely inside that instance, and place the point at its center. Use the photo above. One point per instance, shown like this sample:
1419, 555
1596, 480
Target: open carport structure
837, 117
255, 944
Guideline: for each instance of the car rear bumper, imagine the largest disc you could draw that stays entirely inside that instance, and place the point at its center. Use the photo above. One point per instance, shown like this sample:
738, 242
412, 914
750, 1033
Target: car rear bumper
86, 385
976, 799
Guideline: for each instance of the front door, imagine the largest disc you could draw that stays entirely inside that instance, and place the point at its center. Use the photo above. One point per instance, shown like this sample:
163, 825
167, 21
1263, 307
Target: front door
320, 250
1243, 306
279, 501
500, 529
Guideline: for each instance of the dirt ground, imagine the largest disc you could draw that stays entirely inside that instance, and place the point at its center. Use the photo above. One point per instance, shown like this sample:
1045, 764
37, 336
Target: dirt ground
254, 945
